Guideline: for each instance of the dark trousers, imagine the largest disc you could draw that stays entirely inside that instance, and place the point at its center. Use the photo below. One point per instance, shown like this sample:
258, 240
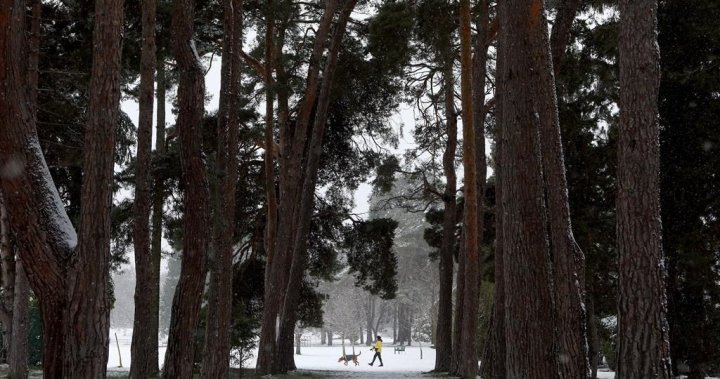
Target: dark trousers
378, 356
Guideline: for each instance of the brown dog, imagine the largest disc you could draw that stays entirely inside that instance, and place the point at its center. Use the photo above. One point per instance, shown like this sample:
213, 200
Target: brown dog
350, 357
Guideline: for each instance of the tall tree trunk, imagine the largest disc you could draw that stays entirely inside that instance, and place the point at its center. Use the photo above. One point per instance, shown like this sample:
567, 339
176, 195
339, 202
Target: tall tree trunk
35, 212
307, 196
216, 362
529, 333
271, 197
153, 285
443, 333
188, 293
472, 233
643, 344
291, 179
87, 321
18, 353
493, 361
567, 259
144, 344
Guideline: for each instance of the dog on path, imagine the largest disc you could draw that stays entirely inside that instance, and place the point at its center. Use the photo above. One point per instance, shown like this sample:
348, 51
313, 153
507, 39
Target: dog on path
350, 357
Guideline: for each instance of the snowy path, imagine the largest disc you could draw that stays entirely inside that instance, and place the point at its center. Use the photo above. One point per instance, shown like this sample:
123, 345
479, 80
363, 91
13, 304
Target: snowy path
319, 361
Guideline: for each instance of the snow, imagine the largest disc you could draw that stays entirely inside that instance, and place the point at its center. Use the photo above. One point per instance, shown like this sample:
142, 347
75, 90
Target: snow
61, 231
315, 358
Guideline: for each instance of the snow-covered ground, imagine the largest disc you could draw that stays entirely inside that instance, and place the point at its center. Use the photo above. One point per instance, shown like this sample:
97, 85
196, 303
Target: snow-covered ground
408, 364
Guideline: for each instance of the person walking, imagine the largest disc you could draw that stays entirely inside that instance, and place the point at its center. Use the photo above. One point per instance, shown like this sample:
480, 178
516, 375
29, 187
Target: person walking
378, 349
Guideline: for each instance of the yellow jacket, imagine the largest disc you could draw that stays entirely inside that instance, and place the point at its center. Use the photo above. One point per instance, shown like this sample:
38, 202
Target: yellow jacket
378, 346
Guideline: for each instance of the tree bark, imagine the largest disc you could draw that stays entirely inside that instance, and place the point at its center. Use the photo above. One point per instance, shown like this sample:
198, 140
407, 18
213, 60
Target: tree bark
278, 270
472, 233
643, 343
144, 344
307, 196
528, 333
188, 293
216, 362
35, 212
447, 248
493, 359
87, 319
567, 259
18, 352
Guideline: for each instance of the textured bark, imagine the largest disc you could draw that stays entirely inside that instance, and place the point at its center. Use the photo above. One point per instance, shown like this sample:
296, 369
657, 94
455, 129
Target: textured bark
567, 259
528, 335
298, 174
290, 179
493, 359
7, 265
188, 293
472, 232
216, 360
443, 333
152, 286
643, 343
303, 214
144, 344
18, 352
88, 318
480, 111
34, 210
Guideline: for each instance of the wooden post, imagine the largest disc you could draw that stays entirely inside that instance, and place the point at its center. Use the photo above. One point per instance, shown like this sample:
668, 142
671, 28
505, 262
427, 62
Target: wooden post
118, 347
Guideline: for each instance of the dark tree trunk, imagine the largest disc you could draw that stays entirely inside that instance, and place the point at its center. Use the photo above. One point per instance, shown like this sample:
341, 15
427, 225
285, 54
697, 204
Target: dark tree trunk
472, 233
593, 346
18, 352
145, 324
443, 332
323, 336
456, 362
529, 333
270, 195
289, 259
567, 259
216, 360
307, 196
642, 323
188, 293
290, 179
153, 285
35, 212
8, 274
493, 360
370, 315
87, 320
329, 338
560, 35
